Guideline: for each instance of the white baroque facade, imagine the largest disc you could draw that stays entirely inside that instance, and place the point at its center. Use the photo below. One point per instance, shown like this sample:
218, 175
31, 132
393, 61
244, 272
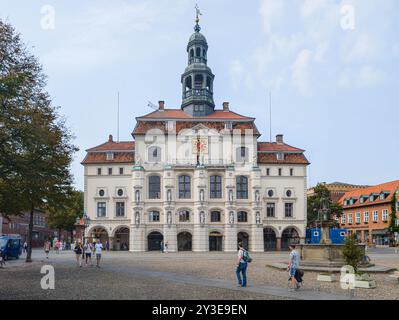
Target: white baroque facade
196, 178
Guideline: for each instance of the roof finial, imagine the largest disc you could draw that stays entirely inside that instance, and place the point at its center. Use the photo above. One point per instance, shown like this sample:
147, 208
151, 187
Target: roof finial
197, 28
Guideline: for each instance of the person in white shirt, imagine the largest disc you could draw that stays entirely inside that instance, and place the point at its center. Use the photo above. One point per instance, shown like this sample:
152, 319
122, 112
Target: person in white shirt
88, 248
98, 248
241, 266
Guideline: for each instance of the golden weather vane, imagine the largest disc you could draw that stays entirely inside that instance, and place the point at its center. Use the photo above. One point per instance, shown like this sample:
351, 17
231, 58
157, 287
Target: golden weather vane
198, 12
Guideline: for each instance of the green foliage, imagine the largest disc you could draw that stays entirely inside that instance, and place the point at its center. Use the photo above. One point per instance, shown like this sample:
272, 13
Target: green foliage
353, 254
392, 226
62, 216
314, 203
35, 145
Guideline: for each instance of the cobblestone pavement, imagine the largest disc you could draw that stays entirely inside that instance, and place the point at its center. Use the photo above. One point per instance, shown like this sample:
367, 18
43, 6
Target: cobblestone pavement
184, 275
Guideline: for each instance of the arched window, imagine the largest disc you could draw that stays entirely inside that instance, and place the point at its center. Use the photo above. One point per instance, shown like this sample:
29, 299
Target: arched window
154, 154
204, 53
242, 187
192, 53
154, 187
216, 216
184, 216
154, 216
198, 52
208, 83
242, 154
215, 187
198, 80
184, 187
188, 83
242, 216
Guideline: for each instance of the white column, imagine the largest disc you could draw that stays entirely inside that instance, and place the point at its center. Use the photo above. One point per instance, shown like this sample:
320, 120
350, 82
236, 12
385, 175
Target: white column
137, 238
170, 236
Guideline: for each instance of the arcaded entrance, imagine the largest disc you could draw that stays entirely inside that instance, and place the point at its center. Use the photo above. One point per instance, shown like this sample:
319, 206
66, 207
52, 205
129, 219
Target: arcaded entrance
243, 237
269, 239
154, 241
184, 241
215, 241
290, 236
121, 239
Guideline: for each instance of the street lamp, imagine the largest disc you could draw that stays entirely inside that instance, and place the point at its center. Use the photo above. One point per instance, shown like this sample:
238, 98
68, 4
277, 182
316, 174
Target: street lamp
83, 222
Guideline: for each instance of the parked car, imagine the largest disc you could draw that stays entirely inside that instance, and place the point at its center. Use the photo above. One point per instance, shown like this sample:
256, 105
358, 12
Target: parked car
10, 247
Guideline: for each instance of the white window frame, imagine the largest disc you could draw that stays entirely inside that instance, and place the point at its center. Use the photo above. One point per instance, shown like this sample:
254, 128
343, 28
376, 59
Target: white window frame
343, 218
350, 219
366, 216
385, 215
357, 217
375, 214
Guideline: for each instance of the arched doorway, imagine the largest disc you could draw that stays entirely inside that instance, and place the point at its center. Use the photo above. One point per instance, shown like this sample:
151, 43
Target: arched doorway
290, 236
154, 241
269, 239
99, 233
243, 237
121, 239
184, 241
215, 241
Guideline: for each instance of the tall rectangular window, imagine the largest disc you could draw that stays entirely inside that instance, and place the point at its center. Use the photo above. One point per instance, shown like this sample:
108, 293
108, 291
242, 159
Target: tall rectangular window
280, 171
154, 187
375, 216
120, 170
268, 171
289, 210
101, 209
385, 215
242, 187
120, 209
366, 217
350, 220
184, 187
343, 218
216, 187
99, 171
291, 172
110, 171
270, 210
357, 217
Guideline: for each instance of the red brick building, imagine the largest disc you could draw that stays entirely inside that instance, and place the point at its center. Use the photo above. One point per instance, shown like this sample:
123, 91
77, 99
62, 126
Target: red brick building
367, 212
18, 225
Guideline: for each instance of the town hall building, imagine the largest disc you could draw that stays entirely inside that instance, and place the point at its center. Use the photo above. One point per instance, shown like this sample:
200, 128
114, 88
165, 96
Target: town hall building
196, 178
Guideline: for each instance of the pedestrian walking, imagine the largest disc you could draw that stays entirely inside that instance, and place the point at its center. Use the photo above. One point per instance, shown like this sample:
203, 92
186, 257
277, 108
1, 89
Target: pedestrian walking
57, 247
25, 247
47, 246
162, 246
88, 249
78, 253
243, 259
292, 268
98, 249
107, 245
166, 247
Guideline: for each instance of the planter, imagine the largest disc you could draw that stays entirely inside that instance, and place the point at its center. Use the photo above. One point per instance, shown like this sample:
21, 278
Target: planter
364, 281
326, 277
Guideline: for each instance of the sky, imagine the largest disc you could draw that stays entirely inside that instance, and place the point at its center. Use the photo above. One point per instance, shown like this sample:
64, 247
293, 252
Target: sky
332, 67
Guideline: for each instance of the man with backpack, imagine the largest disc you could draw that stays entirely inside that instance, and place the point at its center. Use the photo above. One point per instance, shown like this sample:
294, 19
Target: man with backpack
243, 259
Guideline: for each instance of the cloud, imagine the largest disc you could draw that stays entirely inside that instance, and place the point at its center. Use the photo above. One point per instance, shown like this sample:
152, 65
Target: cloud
363, 77
300, 71
270, 11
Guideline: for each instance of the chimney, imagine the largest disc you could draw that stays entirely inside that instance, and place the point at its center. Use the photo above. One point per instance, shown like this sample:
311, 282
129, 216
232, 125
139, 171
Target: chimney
280, 139
225, 106
161, 105
110, 138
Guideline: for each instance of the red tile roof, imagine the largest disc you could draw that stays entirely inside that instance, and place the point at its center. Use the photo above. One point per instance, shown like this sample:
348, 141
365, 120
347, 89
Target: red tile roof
276, 147
180, 114
112, 145
389, 186
101, 157
289, 158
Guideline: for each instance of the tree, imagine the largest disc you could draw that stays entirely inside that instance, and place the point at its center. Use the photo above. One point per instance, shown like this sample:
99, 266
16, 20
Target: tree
393, 227
62, 216
35, 144
352, 253
314, 203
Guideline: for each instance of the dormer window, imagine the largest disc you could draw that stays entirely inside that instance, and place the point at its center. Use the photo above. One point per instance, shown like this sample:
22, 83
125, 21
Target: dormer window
110, 156
228, 126
371, 198
382, 196
280, 156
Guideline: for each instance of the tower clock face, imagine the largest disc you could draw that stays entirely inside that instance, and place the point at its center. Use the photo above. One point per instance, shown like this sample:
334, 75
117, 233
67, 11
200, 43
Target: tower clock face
200, 145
